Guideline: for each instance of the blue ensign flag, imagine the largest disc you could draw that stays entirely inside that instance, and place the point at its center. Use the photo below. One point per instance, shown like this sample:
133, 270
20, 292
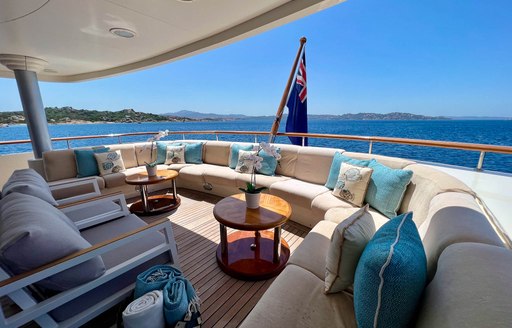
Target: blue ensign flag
298, 105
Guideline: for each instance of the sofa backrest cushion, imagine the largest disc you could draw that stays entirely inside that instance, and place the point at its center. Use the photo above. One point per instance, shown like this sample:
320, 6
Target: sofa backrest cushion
454, 217
217, 152
425, 184
390, 276
34, 233
289, 155
313, 164
143, 153
392, 162
59, 164
29, 182
470, 289
128, 154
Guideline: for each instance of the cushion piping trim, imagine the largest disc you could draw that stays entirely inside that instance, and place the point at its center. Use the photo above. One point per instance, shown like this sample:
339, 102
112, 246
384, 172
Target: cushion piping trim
381, 273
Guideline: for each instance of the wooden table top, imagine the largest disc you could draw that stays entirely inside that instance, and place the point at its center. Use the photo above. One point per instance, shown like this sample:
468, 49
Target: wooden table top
143, 179
233, 212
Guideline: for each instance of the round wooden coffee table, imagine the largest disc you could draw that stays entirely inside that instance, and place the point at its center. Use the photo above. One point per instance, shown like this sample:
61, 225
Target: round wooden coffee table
252, 253
149, 205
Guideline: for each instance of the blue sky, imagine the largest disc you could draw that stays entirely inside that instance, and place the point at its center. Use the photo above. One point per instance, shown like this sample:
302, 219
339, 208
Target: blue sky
423, 57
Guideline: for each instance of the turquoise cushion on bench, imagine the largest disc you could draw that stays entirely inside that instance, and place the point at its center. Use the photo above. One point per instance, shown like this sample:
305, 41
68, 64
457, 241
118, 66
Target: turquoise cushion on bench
86, 164
390, 276
334, 172
193, 151
235, 148
268, 164
387, 187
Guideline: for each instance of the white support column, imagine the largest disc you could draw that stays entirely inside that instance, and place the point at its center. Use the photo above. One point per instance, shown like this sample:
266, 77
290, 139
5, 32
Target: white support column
25, 69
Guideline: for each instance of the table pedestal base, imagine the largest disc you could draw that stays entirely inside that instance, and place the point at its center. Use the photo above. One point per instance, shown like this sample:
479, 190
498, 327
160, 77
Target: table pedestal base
157, 204
251, 258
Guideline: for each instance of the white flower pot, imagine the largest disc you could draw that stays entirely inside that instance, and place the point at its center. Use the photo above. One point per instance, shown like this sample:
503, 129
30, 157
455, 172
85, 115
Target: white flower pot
151, 170
252, 200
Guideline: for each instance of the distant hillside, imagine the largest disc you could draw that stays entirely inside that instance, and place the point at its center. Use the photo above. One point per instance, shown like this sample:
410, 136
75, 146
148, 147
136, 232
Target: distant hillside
210, 116
359, 116
71, 115
396, 116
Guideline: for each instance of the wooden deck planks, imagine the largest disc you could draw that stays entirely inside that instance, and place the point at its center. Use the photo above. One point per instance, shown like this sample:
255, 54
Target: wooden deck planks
226, 301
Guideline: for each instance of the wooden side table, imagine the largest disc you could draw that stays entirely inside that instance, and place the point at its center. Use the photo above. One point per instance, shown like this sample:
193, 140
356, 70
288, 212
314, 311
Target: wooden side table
149, 205
254, 253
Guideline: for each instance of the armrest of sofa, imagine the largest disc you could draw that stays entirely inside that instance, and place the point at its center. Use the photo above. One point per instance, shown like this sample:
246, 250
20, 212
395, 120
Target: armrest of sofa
77, 190
97, 210
32, 310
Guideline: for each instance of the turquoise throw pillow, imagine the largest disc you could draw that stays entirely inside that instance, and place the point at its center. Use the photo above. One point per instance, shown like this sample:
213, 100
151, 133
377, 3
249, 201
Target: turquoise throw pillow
269, 163
161, 151
86, 165
235, 148
193, 152
390, 276
387, 187
334, 172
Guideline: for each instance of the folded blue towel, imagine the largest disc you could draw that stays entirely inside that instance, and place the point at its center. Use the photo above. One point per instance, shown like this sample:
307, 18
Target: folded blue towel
155, 278
180, 300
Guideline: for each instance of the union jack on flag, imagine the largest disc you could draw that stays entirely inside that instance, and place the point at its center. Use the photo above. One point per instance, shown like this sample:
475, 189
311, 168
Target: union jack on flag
298, 105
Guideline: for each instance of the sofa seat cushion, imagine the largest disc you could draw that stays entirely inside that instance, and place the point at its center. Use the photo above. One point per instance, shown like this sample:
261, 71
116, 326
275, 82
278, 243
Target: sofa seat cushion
323, 202
175, 167
117, 179
312, 252
470, 289
296, 299
219, 175
297, 191
102, 233
261, 180
339, 214
192, 176
29, 182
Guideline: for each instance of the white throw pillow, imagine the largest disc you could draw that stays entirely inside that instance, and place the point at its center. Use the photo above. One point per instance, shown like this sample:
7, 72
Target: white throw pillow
352, 183
111, 162
175, 155
347, 244
245, 162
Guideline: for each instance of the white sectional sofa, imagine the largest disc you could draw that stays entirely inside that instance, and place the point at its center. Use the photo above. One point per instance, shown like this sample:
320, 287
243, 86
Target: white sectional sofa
447, 215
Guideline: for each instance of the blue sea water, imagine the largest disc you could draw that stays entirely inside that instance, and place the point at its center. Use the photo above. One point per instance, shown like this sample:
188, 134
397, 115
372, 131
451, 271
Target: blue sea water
485, 132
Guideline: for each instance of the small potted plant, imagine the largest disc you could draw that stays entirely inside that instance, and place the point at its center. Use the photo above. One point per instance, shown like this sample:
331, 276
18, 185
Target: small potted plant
151, 167
252, 193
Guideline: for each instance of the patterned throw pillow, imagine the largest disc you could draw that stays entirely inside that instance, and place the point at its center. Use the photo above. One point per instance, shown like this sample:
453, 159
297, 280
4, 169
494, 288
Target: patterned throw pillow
175, 155
111, 162
245, 163
352, 183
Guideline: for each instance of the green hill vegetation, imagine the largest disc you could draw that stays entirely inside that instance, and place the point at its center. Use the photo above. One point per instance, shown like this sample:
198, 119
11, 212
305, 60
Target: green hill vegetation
71, 115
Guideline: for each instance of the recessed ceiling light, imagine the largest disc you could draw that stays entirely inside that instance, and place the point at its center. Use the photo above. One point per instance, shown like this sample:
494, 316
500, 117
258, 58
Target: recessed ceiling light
122, 32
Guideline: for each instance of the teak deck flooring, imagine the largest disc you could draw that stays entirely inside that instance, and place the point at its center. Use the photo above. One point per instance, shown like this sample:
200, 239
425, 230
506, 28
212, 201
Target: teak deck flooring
225, 301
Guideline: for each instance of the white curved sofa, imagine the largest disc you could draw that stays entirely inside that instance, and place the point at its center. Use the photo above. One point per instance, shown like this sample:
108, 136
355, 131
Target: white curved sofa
445, 212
